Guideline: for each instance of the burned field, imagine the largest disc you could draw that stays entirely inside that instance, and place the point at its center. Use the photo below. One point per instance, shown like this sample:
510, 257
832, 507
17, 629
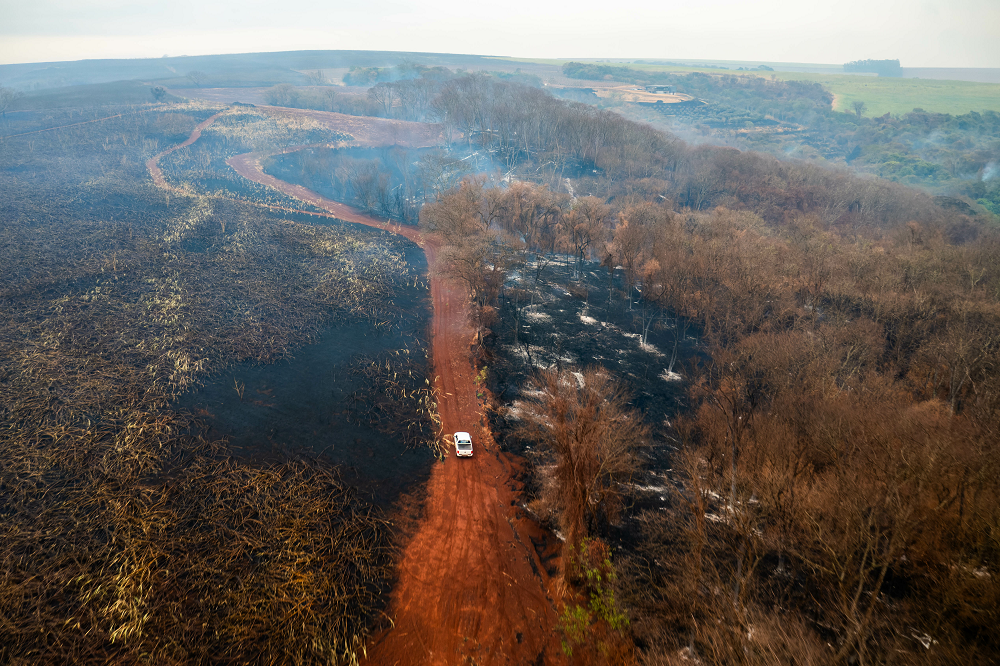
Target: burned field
391, 183
357, 395
557, 314
201, 167
138, 525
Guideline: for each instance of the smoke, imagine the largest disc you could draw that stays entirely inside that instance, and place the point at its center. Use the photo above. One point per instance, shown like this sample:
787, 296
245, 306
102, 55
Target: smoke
990, 171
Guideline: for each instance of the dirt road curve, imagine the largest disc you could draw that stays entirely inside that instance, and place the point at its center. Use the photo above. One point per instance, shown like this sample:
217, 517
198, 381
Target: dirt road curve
152, 163
471, 587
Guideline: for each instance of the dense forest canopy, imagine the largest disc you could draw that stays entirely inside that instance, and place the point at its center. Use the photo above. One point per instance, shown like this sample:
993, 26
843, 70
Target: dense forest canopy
948, 155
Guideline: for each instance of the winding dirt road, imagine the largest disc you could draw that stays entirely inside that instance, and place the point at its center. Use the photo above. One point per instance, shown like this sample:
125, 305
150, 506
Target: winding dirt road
471, 588
152, 164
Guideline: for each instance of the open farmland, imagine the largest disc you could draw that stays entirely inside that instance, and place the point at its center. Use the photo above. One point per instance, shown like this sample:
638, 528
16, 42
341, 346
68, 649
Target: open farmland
884, 95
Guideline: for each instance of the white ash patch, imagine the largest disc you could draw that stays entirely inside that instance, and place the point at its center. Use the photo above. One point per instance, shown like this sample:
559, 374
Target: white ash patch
651, 489
518, 352
644, 346
670, 376
687, 654
537, 316
650, 349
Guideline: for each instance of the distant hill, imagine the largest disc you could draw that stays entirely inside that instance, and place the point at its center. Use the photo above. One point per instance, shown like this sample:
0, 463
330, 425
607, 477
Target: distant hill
230, 70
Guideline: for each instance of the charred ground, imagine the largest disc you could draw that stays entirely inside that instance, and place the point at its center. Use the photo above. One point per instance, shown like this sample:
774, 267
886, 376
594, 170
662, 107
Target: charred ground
134, 528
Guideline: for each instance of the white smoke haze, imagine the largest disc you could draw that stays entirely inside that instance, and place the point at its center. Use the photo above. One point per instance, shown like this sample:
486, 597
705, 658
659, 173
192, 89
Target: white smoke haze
961, 33
990, 171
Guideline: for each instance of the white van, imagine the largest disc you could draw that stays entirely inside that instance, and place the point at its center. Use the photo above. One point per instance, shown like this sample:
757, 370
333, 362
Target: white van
463, 444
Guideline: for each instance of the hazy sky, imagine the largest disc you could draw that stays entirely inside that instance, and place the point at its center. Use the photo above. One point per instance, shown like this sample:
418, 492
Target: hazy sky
921, 33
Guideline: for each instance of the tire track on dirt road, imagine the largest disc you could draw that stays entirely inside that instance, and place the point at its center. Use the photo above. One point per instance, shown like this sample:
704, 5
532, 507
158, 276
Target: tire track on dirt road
470, 587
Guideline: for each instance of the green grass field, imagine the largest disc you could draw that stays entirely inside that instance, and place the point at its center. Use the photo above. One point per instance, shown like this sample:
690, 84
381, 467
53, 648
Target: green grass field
897, 96
880, 95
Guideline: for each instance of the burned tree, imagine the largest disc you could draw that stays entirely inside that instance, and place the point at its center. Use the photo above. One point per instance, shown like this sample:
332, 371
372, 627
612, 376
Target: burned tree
584, 421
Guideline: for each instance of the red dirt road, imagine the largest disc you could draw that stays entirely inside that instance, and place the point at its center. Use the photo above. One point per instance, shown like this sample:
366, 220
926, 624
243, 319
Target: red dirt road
152, 164
470, 588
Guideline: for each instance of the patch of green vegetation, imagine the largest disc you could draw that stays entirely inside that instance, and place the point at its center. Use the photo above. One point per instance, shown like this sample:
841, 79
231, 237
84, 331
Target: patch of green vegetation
884, 95
595, 576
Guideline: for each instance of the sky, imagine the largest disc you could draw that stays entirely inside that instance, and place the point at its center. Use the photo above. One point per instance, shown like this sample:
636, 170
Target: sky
920, 33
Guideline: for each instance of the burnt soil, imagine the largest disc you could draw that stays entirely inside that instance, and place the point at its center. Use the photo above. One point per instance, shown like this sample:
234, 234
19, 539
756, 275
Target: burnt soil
472, 586
308, 403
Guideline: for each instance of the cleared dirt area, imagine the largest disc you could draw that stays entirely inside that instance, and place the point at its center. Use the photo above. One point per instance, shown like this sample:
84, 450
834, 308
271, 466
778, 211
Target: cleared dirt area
624, 93
471, 586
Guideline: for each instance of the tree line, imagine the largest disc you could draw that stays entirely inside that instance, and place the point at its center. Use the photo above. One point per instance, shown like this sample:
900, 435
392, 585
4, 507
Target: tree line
752, 96
880, 67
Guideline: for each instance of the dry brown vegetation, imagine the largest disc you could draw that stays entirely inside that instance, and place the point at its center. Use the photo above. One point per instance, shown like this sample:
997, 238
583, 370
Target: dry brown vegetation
837, 498
836, 477
584, 421
128, 535
847, 423
398, 398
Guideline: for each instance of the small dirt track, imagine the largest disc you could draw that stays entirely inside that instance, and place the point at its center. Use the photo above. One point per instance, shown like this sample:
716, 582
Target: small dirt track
152, 164
471, 588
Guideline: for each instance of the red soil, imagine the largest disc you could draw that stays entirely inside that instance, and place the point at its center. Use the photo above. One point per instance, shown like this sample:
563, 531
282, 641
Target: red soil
152, 163
471, 588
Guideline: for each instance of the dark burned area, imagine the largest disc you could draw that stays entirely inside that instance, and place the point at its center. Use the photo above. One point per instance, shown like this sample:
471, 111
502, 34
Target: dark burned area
329, 398
554, 316
134, 527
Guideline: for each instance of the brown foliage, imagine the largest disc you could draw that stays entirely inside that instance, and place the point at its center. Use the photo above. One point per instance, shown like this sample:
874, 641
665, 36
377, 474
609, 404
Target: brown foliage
584, 420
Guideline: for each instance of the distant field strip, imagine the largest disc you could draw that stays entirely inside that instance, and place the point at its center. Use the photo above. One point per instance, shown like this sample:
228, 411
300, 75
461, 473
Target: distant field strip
897, 96
881, 95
